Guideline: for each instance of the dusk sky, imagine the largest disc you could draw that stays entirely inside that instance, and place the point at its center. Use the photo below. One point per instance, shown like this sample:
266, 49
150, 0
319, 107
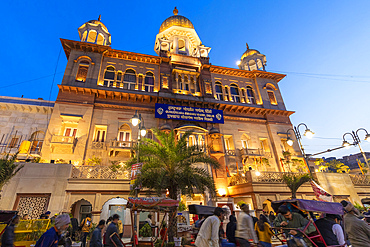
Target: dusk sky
322, 46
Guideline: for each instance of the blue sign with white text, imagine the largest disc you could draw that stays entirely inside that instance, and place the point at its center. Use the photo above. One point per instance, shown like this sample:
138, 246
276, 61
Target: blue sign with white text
188, 113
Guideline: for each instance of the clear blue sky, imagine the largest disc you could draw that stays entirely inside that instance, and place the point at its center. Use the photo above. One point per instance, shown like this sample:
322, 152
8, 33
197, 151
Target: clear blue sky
322, 46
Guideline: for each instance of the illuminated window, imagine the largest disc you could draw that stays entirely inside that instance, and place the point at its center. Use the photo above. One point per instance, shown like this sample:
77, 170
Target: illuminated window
192, 141
186, 83
245, 139
109, 76
124, 135
234, 90
250, 95
218, 90
149, 82
84, 36
149, 134
100, 133
271, 94
92, 36
229, 143
259, 64
83, 67
180, 82
264, 145
100, 40
70, 132
37, 139
182, 48
129, 80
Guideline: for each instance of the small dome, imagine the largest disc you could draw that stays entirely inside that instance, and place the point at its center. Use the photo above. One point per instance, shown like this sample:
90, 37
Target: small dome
249, 52
95, 32
176, 20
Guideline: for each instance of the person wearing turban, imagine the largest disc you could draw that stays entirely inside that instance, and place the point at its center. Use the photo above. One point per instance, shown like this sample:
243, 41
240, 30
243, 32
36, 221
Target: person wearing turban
51, 237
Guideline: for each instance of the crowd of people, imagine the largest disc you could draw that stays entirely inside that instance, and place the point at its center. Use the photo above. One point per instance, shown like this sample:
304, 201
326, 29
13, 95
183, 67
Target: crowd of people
107, 233
244, 231
247, 230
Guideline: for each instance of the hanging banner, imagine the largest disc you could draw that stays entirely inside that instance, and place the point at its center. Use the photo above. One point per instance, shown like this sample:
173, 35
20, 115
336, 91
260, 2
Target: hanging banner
135, 170
320, 193
188, 113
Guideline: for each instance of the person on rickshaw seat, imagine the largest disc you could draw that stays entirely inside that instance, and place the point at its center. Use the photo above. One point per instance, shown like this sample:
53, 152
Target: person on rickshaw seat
288, 219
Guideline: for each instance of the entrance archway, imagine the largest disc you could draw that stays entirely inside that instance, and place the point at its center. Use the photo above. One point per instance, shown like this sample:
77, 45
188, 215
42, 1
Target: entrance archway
117, 206
81, 209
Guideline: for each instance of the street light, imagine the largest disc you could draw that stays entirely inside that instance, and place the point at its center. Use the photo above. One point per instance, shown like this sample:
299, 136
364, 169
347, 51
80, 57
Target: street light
307, 133
135, 120
356, 141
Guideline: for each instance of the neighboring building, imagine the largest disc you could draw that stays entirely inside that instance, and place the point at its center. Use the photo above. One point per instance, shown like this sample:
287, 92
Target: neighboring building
352, 160
23, 122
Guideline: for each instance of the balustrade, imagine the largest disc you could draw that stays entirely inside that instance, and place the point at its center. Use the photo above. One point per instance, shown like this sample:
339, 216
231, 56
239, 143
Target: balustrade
62, 139
98, 172
358, 179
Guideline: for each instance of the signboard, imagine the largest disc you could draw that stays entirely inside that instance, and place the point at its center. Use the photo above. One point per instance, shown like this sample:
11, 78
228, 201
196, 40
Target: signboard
188, 113
135, 170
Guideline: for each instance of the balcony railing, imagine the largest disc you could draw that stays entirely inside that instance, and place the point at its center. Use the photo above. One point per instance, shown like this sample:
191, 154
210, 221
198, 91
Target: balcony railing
98, 172
263, 177
358, 179
62, 139
255, 152
230, 152
121, 144
97, 145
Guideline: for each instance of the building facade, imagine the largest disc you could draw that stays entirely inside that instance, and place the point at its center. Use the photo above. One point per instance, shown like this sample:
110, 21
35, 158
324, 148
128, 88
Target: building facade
237, 115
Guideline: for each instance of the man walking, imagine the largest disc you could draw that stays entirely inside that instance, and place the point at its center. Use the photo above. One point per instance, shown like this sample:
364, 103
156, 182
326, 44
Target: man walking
245, 228
7, 239
112, 231
330, 229
358, 230
209, 231
96, 240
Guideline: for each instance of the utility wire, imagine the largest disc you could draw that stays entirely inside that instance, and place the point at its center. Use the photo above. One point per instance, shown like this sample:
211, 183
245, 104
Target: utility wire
43, 77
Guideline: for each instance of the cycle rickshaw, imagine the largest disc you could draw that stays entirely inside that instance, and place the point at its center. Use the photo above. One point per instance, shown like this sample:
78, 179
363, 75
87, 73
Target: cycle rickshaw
307, 208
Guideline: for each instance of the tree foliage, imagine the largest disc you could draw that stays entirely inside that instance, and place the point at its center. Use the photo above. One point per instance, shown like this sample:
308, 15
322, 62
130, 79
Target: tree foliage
295, 180
170, 164
332, 166
8, 169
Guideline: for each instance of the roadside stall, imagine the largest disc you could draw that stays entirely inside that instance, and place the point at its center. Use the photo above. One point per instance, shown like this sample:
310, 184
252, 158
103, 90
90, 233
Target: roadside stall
160, 205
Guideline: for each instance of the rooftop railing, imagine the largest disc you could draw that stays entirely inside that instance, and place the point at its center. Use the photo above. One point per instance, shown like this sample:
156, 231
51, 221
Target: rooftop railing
98, 172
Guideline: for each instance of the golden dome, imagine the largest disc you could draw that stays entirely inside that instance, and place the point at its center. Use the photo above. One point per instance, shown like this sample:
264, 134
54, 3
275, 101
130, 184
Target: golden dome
176, 20
249, 52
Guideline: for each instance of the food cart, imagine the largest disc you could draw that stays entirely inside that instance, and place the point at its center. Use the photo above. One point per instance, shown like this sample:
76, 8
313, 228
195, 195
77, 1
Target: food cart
150, 204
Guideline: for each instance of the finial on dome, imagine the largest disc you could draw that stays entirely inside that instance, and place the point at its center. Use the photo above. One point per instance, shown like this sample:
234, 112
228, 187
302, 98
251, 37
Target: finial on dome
247, 46
175, 11
99, 18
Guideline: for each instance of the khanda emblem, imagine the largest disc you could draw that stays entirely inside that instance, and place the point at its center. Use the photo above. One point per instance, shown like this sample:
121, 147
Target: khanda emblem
160, 111
218, 116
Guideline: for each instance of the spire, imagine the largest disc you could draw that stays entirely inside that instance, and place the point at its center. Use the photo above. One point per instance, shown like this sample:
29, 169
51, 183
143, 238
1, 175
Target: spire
247, 46
175, 11
99, 18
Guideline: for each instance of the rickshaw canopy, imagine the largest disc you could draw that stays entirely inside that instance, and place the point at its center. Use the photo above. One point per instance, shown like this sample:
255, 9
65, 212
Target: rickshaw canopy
311, 206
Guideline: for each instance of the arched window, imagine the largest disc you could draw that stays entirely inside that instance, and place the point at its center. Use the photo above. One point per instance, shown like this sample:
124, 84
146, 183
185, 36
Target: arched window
218, 90
84, 36
92, 36
252, 65
37, 139
124, 136
129, 79
186, 83
234, 90
100, 40
180, 83
271, 94
259, 64
182, 48
250, 95
149, 82
109, 76
83, 67
245, 141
